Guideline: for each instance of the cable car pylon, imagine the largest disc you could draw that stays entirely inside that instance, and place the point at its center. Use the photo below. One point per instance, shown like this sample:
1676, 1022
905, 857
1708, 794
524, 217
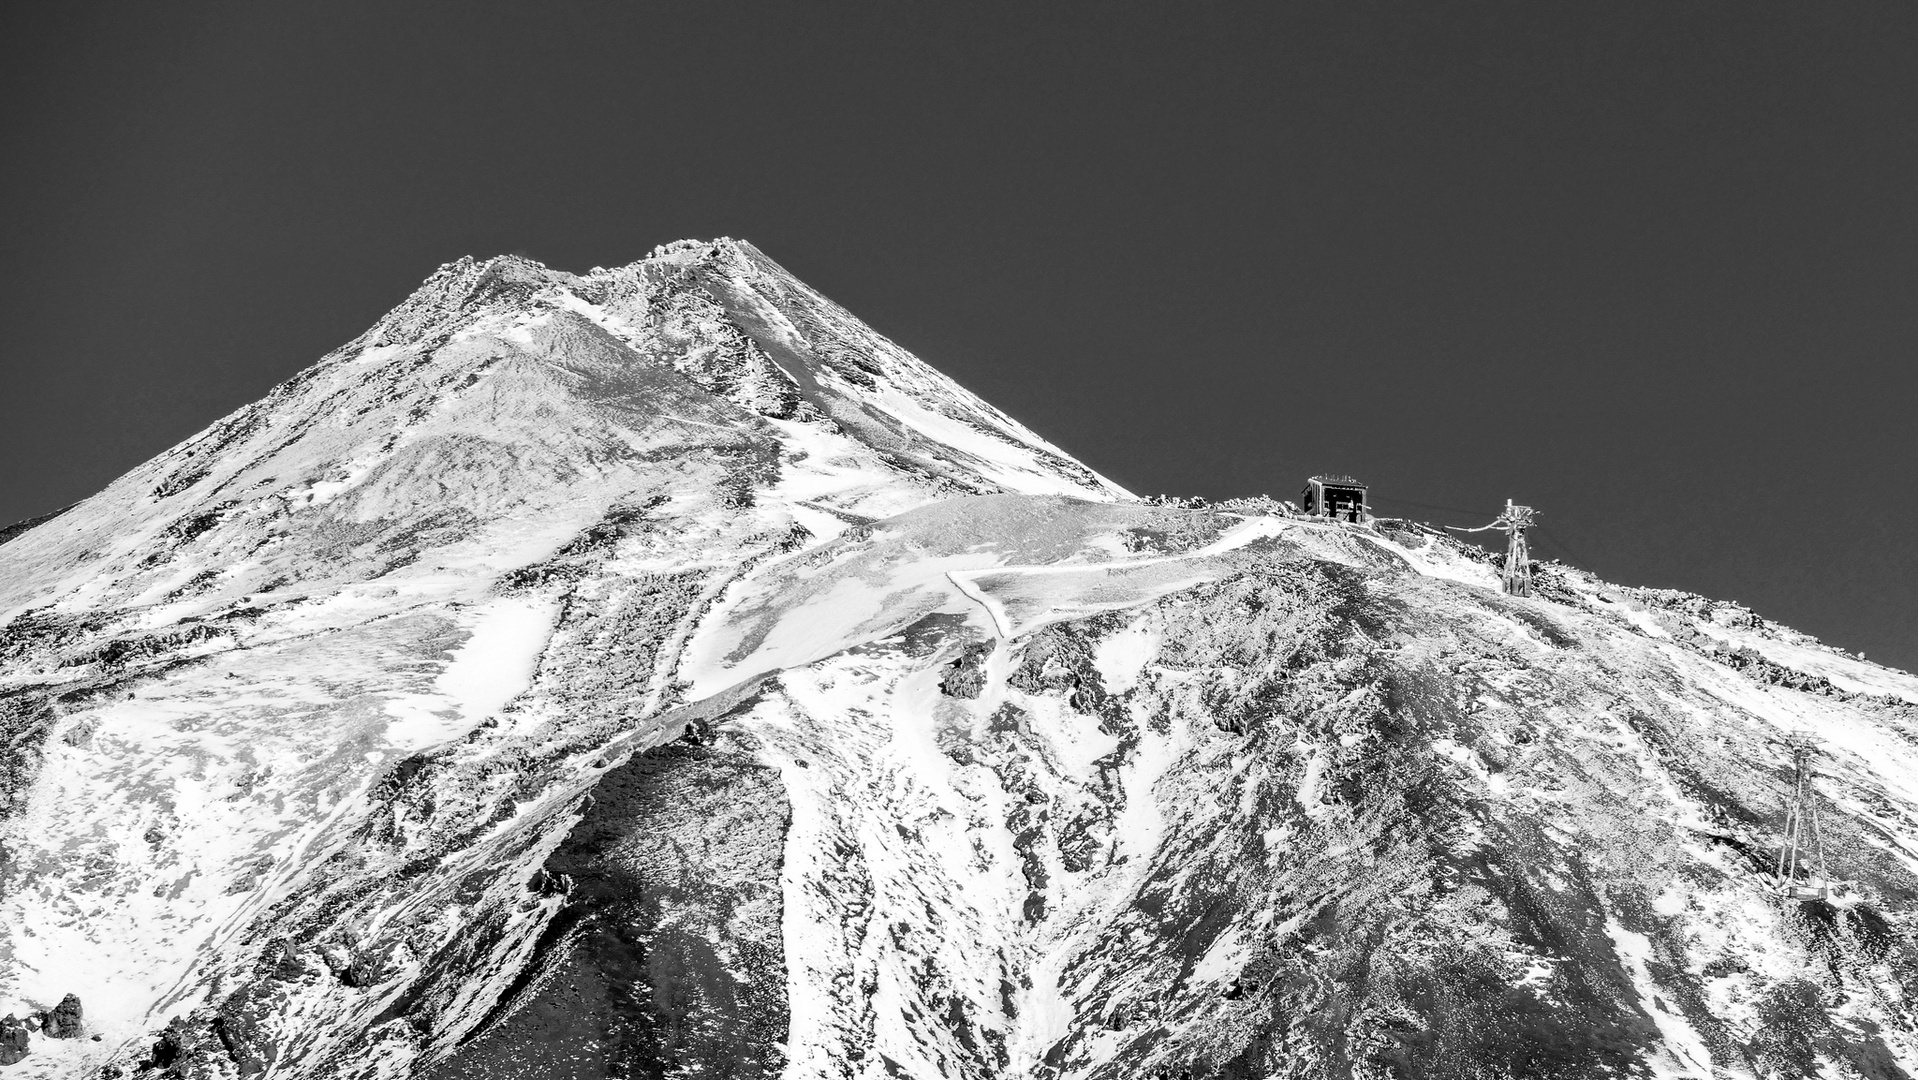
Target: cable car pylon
1803, 845
1516, 578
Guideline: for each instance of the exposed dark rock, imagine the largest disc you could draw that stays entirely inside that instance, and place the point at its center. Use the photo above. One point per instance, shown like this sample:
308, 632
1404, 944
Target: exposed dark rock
127, 650
667, 959
368, 967
966, 676
13, 1040
281, 961
244, 1038
167, 1049
63, 1020
188, 1048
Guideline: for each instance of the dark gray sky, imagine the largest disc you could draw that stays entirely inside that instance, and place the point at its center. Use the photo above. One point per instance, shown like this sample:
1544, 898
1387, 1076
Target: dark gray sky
1649, 267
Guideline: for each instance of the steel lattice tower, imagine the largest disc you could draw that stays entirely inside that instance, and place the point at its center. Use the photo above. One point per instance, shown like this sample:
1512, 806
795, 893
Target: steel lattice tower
1803, 846
1516, 577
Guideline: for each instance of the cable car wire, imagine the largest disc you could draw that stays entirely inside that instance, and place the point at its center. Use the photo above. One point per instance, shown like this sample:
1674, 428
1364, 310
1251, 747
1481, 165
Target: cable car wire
1557, 542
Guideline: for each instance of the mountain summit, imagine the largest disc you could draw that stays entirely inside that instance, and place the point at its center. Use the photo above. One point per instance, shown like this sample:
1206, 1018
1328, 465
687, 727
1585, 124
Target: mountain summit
657, 672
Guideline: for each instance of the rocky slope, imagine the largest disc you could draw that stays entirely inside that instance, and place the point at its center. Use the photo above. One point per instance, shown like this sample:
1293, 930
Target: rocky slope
657, 673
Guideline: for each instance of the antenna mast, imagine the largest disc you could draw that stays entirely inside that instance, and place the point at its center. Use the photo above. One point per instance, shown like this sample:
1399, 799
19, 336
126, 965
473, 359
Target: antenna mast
1516, 578
1804, 841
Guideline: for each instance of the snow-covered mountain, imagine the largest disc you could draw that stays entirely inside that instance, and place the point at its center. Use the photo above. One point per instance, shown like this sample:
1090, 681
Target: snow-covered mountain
658, 673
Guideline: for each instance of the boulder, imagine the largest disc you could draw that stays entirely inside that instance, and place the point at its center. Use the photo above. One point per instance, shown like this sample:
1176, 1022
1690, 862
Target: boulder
63, 1022
13, 1040
167, 1049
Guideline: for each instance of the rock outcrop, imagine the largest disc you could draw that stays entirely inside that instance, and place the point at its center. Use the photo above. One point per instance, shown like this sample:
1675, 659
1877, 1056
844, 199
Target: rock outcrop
15, 1042
63, 1021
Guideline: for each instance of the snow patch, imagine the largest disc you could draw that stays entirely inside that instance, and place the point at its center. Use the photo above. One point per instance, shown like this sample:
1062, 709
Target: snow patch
1121, 657
497, 662
1224, 960
1684, 1055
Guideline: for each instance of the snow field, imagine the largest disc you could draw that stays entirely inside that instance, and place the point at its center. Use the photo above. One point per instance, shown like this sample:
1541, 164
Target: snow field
212, 794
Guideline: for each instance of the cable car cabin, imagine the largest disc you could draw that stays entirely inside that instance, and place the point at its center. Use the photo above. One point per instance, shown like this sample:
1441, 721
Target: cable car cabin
1340, 498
